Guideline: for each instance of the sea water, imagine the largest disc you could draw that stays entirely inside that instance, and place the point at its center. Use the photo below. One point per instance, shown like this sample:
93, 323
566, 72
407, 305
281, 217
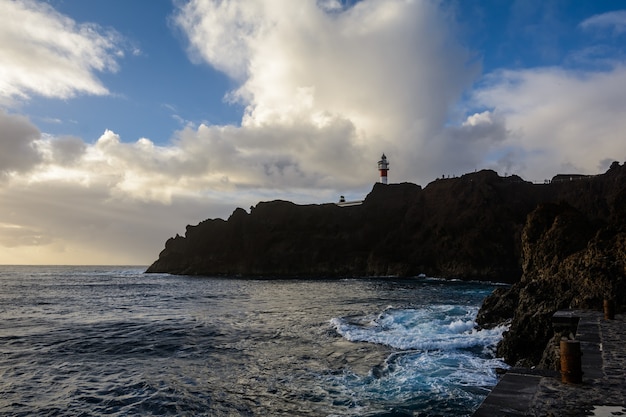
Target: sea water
92, 341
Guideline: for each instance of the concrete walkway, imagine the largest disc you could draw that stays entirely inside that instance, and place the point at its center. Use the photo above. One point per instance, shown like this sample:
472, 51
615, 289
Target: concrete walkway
525, 392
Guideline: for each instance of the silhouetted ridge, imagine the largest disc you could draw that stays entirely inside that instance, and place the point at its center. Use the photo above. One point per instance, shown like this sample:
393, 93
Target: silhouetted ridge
468, 227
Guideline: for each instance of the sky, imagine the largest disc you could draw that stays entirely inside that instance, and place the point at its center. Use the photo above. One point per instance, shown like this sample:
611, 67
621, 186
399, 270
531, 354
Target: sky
124, 121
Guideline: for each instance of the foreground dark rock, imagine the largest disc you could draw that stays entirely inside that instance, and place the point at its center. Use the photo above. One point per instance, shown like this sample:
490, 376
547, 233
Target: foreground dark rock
539, 392
571, 259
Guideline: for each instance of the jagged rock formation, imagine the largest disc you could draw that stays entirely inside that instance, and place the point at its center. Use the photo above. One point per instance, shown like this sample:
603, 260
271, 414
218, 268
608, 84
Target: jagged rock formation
573, 257
468, 227
465, 227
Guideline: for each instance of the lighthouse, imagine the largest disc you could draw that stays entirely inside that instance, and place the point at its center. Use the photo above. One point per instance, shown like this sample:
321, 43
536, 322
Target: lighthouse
383, 167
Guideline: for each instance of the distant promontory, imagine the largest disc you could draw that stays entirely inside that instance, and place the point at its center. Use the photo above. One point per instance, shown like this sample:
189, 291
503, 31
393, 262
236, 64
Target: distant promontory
468, 227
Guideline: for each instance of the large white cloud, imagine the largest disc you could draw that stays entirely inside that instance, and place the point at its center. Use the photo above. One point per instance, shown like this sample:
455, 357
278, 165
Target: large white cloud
43, 52
385, 72
326, 91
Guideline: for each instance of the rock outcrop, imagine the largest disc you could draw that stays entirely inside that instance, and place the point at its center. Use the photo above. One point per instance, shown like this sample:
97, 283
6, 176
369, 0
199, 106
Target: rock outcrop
468, 227
572, 257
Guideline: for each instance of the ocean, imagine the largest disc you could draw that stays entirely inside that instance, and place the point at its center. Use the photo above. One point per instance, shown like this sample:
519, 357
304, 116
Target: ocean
94, 341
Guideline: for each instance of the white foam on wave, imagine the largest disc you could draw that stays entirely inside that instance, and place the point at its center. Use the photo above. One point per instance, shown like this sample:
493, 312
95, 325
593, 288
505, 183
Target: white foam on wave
440, 356
460, 326
424, 379
432, 328
425, 370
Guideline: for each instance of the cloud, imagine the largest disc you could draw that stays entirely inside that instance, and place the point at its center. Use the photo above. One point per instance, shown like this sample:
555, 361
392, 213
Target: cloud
18, 153
558, 120
60, 222
615, 20
67, 150
46, 53
328, 89
13, 236
474, 144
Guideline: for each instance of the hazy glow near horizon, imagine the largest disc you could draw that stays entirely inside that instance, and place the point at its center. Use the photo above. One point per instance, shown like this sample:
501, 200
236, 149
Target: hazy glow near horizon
120, 123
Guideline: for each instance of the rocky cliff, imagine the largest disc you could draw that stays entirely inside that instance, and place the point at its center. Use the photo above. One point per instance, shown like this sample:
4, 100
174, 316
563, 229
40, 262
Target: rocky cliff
468, 227
572, 257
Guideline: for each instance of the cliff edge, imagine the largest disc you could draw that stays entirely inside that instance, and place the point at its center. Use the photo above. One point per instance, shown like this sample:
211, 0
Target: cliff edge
468, 227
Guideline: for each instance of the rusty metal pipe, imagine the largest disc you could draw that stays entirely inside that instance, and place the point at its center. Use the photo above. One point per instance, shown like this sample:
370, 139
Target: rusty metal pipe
571, 367
609, 310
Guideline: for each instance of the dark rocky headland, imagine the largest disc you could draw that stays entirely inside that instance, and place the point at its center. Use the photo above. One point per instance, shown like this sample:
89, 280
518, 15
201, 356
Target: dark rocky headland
561, 244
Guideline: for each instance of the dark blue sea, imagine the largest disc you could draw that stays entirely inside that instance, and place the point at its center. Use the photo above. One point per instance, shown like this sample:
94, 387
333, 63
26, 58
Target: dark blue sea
94, 341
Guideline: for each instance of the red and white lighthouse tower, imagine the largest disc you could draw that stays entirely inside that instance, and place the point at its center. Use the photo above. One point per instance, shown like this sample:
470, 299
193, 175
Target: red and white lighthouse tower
383, 167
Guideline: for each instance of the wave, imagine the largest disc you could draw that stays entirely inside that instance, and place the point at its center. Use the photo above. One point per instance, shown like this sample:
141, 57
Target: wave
436, 327
433, 382
440, 361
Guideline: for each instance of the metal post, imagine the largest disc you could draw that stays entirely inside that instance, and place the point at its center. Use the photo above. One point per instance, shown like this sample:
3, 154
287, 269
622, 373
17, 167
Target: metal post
571, 367
609, 309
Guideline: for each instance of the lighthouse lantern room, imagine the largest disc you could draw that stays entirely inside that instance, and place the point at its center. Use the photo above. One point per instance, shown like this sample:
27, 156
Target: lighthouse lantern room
383, 167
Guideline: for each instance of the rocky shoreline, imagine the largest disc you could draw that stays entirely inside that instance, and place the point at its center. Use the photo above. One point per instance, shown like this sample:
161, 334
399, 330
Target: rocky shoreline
560, 245
600, 391
568, 263
570, 260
